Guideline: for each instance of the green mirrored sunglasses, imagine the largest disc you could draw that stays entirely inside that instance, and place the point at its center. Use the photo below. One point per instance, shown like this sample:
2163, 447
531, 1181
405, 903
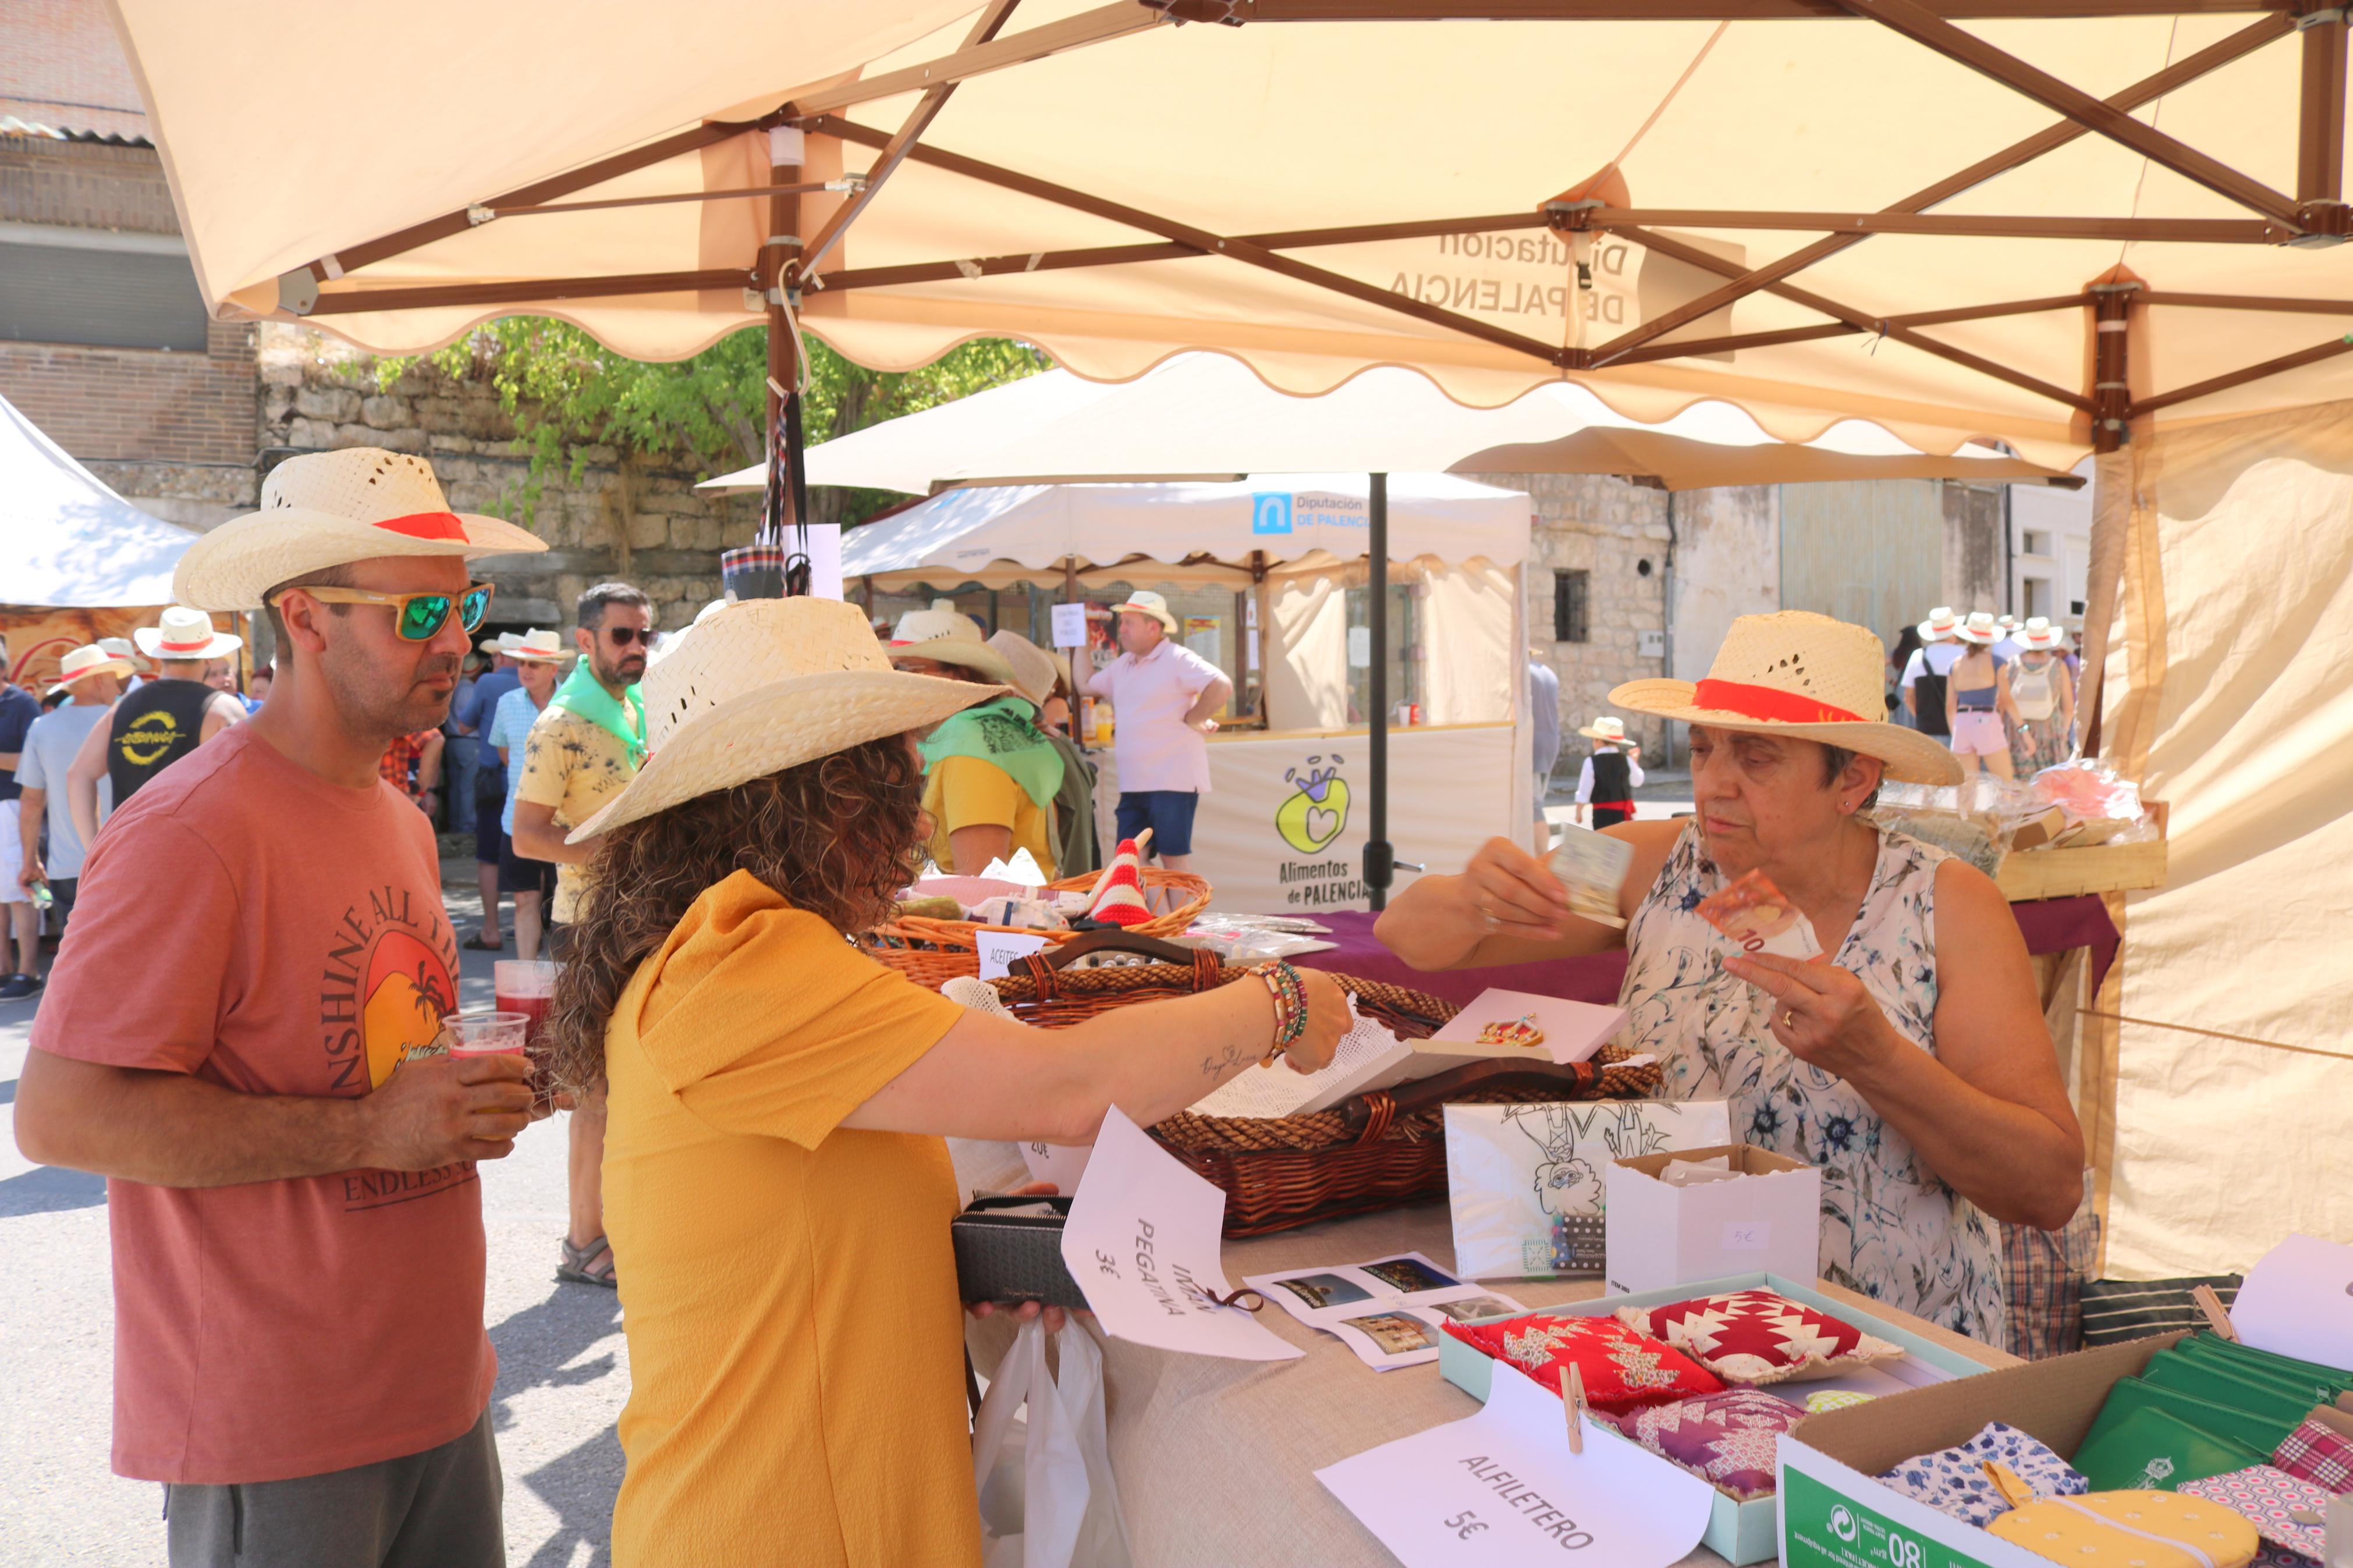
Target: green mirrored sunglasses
416, 617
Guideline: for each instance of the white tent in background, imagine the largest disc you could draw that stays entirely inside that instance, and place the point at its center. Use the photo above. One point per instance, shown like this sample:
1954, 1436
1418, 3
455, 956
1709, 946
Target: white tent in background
65, 538
1268, 576
1208, 415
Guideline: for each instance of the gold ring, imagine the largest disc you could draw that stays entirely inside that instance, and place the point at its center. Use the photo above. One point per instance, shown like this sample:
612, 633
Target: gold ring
1788, 1018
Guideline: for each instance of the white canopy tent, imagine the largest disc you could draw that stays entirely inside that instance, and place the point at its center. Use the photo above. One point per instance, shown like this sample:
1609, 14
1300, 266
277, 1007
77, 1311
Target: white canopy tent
1200, 416
1288, 553
65, 538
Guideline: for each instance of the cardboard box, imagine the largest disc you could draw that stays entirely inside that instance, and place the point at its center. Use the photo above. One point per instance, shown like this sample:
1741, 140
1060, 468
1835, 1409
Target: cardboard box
1737, 1531
1834, 1515
1767, 1221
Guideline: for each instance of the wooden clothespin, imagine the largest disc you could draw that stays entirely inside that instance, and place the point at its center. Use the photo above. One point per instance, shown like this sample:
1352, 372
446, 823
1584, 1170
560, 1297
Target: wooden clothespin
1572, 1397
2217, 1319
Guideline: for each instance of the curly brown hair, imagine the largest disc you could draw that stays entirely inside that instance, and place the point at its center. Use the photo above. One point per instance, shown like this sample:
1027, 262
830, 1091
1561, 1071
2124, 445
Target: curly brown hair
836, 838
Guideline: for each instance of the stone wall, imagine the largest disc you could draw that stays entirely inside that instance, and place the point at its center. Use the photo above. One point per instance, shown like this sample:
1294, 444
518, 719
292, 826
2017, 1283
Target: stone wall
1617, 533
640, 522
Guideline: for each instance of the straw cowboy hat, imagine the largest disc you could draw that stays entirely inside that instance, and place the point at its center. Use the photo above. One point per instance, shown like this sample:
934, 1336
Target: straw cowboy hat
185, 634
1940, 625
1148, 604
87, 660
1802, 675
1979, 629
1034, 670
946, 635
1612, 728
331, 509
537, 646
766, 685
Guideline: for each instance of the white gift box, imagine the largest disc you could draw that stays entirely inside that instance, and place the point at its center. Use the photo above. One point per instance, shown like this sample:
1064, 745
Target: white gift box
1761, 1213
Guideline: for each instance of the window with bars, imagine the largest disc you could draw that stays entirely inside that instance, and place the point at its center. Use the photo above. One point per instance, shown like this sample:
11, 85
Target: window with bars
1568, 600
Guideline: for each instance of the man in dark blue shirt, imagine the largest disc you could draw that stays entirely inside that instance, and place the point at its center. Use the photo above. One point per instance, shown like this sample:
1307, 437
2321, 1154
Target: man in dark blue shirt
19, 709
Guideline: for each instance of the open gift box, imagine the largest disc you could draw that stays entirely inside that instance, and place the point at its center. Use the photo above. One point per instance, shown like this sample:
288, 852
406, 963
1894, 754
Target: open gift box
1834, 1514
1748, 1532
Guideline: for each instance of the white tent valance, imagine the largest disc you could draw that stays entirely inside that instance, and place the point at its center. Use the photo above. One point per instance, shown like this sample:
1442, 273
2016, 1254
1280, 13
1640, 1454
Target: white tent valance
1284, 518
65, 538
1201, 415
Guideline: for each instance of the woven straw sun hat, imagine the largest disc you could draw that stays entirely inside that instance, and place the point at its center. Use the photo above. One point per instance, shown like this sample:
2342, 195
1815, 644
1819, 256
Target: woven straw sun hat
766, 685
2039, 636
946, 635
1941, 623
538, 647
88, 660
1148, 604
1980, 629
1608, 728
331, 509
1034, 670
1802, 675
183, 633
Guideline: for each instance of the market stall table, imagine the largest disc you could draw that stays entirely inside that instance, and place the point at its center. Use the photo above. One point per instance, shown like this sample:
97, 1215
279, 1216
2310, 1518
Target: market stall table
2049, 925
1216, 1459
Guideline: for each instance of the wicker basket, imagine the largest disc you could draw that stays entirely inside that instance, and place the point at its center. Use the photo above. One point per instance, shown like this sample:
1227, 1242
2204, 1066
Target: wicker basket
1376, 1151
931, 952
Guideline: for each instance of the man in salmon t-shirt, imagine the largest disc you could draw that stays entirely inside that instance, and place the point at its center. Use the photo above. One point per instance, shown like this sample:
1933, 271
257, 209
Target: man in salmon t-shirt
299, 1355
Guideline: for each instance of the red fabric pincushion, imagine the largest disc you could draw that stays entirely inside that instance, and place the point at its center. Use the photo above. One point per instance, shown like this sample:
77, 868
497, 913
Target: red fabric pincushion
1623, 1370
1756, 1337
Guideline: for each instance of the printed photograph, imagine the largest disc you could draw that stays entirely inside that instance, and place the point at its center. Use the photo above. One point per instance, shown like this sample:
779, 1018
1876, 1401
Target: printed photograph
1394, 1332
1472, 1307
1410, 1274
1320, 1291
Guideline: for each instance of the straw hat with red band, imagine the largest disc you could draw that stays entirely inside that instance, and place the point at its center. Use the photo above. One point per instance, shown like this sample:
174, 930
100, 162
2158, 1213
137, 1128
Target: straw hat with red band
183, 633
1805, 676
331, 509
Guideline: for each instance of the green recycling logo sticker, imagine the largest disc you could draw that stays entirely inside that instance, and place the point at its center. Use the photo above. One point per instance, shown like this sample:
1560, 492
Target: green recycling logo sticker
1317, 810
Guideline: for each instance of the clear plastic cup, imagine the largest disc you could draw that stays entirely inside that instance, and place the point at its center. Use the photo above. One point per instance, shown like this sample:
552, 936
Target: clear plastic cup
488, 1033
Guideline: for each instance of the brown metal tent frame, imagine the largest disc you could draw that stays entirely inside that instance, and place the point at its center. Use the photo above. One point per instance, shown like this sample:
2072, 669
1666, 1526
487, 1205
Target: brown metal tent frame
787, 266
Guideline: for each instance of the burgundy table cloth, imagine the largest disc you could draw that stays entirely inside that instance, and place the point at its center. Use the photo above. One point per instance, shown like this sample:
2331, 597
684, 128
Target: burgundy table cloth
2049, 925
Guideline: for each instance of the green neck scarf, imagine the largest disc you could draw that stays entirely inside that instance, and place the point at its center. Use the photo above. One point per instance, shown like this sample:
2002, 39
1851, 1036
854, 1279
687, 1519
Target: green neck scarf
623, 717
1004, 733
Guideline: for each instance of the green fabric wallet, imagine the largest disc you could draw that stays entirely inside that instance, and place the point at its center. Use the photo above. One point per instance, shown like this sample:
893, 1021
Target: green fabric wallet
2246, 1429
2306, 1380
2137, 1446
2231, 1386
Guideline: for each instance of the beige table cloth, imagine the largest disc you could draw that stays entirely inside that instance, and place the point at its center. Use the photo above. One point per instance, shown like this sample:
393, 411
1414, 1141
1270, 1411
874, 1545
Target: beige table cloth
1216, 1459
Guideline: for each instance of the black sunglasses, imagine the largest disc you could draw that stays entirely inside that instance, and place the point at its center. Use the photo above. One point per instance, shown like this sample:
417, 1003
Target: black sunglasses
624, 636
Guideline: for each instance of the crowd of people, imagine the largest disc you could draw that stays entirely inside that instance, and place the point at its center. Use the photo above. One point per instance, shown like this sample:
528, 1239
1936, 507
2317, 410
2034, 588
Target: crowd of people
757, 1106
1999, 691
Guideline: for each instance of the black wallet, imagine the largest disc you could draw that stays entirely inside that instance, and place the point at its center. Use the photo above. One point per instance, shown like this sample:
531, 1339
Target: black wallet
1009, 1249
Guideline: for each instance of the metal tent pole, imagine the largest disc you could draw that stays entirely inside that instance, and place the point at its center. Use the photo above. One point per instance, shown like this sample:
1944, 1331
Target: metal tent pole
1381, 855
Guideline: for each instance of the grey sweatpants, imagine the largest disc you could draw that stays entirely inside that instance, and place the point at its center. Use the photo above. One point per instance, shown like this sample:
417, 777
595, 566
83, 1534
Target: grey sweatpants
439, 1509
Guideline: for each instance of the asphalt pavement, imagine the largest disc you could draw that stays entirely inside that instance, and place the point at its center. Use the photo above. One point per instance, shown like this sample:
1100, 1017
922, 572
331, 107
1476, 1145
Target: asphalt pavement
562, 1366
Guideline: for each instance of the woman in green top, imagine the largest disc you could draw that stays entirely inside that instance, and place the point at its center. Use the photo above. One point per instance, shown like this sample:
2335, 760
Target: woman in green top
990, 775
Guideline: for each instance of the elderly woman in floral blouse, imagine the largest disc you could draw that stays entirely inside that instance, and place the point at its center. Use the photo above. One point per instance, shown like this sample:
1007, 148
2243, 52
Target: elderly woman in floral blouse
1910, 1061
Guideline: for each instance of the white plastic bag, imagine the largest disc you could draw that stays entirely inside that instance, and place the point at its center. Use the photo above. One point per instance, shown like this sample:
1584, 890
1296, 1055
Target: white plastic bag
1047, 1498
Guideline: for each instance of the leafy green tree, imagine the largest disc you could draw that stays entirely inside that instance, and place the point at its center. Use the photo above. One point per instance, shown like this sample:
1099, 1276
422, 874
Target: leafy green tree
568, 395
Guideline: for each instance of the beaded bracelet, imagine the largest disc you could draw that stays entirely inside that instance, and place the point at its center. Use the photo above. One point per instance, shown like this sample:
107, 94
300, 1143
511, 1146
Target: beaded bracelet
1289, 996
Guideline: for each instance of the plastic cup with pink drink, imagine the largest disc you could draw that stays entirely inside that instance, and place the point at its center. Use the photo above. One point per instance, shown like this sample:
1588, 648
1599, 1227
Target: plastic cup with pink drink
488, 1033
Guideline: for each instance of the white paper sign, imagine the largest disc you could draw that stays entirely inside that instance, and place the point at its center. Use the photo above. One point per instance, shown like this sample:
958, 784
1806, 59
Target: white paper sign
825, 559
1000, 950
2298, 1301
1143, 1241
1360, 647
1502, 1488
1059, 1164
1070, 624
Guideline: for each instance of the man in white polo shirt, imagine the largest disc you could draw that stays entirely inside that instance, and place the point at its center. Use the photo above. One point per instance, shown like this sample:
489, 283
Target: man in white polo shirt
1162, 696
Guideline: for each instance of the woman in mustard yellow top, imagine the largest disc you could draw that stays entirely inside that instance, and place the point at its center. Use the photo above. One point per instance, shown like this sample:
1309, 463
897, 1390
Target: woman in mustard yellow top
990, 773
776, 1191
